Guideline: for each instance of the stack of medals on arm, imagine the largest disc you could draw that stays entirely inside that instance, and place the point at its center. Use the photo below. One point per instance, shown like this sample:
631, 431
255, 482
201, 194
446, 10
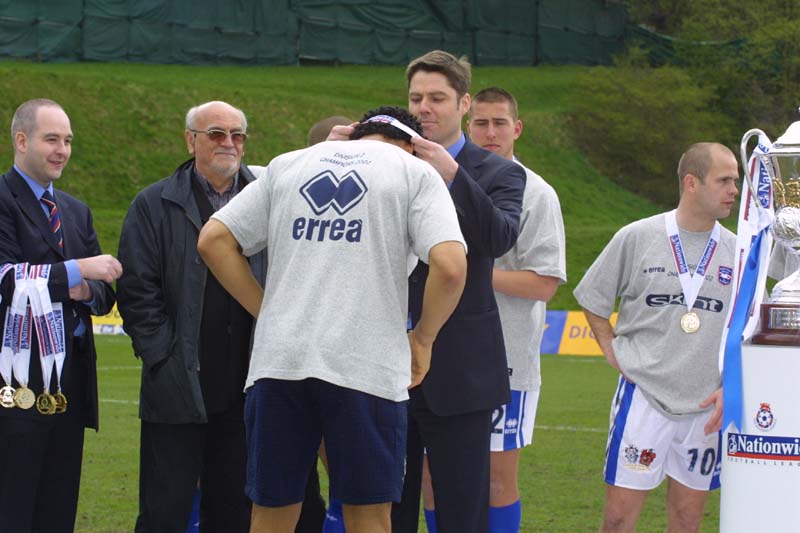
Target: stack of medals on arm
21, 319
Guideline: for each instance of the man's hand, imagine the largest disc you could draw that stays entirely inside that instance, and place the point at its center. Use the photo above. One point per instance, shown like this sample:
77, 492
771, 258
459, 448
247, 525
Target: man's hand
420, 357
81, 292
714, 423
100, 267
341, 133
437, 156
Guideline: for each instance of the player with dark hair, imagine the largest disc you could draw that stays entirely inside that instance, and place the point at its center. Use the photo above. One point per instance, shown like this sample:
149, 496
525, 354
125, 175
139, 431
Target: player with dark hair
339, 220
384, 121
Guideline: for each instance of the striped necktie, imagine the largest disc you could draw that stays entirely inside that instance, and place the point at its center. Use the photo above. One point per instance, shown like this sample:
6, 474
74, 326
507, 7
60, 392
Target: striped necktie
54, 219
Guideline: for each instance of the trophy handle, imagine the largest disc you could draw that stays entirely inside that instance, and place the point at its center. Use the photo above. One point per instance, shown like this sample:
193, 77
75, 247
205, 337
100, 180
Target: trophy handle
743, 152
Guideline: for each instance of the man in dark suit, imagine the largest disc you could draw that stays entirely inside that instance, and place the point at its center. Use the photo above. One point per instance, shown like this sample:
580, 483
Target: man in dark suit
450, 412
40, 454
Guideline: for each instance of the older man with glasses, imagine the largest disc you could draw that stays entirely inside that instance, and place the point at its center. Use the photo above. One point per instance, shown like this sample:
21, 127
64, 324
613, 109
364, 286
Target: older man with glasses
192, 337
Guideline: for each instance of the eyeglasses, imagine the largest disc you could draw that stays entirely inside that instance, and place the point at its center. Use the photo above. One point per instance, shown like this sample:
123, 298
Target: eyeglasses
219, 135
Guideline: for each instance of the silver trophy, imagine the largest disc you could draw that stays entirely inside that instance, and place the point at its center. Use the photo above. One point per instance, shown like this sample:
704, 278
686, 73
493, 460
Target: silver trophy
780, 316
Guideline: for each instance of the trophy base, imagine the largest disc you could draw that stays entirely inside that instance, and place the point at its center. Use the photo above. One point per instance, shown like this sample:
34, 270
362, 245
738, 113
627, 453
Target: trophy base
780, 325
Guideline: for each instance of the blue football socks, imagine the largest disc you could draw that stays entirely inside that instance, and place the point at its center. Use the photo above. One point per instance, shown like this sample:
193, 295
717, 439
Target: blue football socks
430, 520
505, 519
334, 518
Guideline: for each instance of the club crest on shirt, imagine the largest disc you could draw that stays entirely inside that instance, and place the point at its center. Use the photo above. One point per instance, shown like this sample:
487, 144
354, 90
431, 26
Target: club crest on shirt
725, 275
765, 420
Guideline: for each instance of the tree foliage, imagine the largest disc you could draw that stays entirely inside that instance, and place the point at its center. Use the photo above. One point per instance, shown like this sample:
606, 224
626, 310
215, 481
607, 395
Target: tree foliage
756, 82
634, 123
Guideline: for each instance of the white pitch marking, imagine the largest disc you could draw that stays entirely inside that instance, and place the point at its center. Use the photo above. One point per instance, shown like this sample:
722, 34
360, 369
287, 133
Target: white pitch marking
124, 402
570, 428
128, 367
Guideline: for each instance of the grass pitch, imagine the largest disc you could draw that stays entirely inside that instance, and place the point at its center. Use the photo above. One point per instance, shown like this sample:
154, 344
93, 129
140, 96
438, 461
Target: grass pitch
560, 475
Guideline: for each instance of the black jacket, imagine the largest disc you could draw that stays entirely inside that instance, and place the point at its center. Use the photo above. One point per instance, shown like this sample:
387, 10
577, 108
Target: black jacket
161, 295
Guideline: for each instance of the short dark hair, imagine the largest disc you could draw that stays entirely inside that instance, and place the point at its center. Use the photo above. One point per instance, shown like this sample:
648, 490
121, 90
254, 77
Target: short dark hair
365, 128
458, 71
495, 95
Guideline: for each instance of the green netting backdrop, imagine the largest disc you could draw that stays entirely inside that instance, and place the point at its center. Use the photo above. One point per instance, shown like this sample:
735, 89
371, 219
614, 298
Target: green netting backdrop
274, 32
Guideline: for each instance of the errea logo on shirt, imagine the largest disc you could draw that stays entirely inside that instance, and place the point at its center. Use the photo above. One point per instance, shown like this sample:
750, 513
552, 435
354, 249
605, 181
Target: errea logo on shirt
323, 192
326, 190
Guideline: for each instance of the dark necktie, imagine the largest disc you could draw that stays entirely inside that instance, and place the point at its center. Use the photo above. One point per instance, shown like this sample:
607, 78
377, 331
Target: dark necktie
54, 219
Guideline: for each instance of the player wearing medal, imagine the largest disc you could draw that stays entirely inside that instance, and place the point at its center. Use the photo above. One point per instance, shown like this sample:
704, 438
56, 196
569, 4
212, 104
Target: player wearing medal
49, 236
672, 274
331, 357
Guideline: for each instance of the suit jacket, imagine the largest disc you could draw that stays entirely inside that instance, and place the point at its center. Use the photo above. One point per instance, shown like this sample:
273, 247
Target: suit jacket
25, 236
468, 370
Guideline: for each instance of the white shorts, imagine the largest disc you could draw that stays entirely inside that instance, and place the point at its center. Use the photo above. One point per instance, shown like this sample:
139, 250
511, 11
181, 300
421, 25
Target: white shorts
644, 446
512, 424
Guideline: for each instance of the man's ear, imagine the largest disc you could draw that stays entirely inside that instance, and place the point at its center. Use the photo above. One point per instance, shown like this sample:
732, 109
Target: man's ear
20, 142
189, 136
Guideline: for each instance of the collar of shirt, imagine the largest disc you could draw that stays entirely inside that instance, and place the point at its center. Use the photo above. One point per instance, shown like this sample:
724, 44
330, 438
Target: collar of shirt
455, 148
73, 272
36, 188
210, 190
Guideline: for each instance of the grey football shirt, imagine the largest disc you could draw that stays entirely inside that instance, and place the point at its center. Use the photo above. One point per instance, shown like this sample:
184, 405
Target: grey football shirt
540, 248
675, 370
338, 220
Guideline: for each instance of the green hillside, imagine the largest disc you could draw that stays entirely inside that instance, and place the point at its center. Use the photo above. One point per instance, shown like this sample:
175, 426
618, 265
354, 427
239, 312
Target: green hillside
128, 125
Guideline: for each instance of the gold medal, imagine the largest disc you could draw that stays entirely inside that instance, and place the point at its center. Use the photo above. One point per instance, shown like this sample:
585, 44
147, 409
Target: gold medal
61, 402
46, 404
7, 397
24, 397
690, 322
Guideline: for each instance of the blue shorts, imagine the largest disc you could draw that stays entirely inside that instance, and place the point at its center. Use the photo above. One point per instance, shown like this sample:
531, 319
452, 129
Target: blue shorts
365, 440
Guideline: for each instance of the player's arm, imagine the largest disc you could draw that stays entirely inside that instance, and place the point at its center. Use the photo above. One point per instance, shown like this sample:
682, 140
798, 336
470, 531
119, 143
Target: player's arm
224, 258
525, 284
714, 423
446, 277
603, 333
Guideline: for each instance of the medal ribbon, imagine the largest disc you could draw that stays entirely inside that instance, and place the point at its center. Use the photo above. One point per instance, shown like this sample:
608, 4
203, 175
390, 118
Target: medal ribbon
732, 403
753, 245
49, 327
46, 341
690, 283
6, 352
5, 269
20, 325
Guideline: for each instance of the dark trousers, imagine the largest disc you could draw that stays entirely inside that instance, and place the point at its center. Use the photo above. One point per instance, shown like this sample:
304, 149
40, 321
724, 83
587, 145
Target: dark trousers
40, 472
173, 457
458, 456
